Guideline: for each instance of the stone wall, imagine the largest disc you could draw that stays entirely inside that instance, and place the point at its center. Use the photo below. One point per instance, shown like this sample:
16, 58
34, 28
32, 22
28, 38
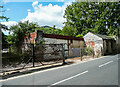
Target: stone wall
118, 44
73, 47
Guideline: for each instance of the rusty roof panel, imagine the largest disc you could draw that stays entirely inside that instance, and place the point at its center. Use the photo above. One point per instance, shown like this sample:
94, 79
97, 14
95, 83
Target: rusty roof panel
62, 37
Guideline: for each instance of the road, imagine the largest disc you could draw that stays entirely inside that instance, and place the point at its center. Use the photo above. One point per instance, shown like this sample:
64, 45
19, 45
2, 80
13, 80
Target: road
101, 71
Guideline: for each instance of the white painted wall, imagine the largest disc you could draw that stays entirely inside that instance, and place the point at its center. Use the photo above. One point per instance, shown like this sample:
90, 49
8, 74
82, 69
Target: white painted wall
96, 40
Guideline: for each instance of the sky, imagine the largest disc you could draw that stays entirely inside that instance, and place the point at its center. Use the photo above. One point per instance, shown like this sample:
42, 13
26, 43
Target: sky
44, 13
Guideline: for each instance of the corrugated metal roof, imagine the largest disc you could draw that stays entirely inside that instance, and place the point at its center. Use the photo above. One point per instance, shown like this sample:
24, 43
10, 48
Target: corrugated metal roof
61, 37
101, 36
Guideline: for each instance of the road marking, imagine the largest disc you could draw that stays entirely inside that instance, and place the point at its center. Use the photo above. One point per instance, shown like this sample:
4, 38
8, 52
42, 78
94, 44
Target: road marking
105, 64
54, 68
68, 78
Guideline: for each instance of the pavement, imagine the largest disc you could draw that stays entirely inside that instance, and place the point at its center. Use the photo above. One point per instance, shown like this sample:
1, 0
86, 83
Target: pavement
100, 71
39, 67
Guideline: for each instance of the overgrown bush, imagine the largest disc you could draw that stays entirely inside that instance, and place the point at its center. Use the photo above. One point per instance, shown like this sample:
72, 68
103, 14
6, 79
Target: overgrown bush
89, 51
13, 57
39, 49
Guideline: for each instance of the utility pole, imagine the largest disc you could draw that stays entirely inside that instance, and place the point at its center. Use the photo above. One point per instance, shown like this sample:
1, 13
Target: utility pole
63, 53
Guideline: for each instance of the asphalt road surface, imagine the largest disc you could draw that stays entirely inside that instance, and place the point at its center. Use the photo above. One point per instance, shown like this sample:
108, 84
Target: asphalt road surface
101, 71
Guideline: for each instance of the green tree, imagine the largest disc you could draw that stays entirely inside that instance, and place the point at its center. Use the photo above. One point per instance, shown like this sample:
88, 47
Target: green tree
4, 37
20, 31
68, 31
58, 32
50, 30
3, 17
2, 26
9, 39
102, 17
